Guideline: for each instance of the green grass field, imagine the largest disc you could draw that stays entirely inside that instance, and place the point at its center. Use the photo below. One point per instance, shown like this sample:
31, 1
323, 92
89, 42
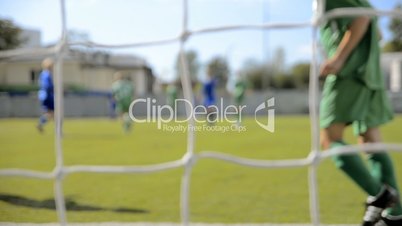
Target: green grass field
220, 191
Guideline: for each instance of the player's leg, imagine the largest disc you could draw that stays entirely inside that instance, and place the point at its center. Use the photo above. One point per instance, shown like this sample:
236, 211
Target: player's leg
332, 134
238, 102
112, 105
349, 100
211, 108
352, 164
126, 120
382, 168
41, 122
381, 165
119, 110
378, 113
354, 167
47, 107
344, 101
50, 114
211, 116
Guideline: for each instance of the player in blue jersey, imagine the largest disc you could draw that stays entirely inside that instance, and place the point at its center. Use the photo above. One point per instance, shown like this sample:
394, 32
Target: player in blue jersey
46, 92
209, 97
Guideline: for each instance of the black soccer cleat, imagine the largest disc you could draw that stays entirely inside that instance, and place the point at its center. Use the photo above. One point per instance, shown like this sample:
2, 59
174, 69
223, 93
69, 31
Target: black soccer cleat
375, 205
389, 221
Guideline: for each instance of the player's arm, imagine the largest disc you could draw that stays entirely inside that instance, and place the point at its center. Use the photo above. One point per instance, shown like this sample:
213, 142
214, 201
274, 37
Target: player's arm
349, 41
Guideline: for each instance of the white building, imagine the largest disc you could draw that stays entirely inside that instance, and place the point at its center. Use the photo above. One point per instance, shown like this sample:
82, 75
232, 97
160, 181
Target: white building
392, 67
83, 68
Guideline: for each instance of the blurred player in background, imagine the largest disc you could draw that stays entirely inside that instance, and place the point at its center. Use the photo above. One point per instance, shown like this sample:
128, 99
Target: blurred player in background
122, 93
240, 87
172, 94
46, 93
237, 87
112, 107
354, 93
208, 91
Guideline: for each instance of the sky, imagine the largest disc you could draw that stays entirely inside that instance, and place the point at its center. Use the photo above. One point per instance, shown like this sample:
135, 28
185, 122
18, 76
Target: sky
129, 21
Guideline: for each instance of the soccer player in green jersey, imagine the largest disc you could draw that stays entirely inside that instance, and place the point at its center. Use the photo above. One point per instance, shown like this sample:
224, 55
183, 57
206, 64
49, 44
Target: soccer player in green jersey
239, 92
354, 94
172, 94
122, 92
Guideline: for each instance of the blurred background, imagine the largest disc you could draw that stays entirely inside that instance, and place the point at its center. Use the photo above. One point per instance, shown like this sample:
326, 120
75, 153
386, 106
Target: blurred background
274, 62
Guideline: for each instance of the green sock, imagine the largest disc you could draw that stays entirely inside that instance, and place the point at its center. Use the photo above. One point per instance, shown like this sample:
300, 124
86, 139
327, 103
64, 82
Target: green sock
355, 168
126, 122
383, 170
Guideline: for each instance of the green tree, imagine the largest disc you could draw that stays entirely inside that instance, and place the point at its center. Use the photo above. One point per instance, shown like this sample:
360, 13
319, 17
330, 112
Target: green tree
278, 61
283, 81
257, 74
301, 74
193, 65
9, 35
277, 65
395, 45
219, 67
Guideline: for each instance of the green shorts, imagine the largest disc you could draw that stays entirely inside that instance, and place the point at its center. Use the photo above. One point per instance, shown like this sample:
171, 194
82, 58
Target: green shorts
122, 106
350, 101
